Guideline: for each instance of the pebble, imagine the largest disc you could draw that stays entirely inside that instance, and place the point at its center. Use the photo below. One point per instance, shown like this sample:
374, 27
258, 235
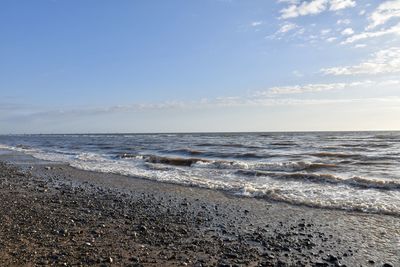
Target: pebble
140, 225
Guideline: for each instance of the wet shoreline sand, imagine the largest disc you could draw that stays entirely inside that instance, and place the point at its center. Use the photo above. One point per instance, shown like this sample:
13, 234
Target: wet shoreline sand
53, 214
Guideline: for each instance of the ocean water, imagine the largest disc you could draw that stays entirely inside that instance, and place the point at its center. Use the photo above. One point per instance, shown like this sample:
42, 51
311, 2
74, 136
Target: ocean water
357, 171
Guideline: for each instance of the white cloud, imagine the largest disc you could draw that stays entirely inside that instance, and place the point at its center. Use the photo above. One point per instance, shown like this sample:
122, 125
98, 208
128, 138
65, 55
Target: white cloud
325, 31
343, 22
360, 46
311, 88
266, 101
384, 61
287, 27
331, 39
289, 1
341, 4
303, 9
384, 12
284, 29
313, 7
323, 101
373, 34
256, 23
347, 31
275, 96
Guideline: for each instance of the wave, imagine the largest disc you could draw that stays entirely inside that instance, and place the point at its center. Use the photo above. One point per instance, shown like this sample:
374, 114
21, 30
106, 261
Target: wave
249, 155
373, 183
173, 161
367, 146
23, 146
228, 145
283, 144
265, 166
376, 162
291, 181
212, 154
347, 205
355, 181
185, 151
128, 156
19, 148
387, 136
357, 158
192, 162
379, 145
352, 145
233, 164
334, 155
89, 157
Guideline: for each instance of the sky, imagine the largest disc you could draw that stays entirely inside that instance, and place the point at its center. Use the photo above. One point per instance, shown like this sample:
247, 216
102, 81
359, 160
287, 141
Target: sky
97, 66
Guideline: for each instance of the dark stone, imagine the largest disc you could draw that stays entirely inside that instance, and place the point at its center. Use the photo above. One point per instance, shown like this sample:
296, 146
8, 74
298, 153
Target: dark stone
331, 258
63, 232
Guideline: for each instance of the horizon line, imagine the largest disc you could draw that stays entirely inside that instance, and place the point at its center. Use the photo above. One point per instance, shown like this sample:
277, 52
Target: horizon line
206, 132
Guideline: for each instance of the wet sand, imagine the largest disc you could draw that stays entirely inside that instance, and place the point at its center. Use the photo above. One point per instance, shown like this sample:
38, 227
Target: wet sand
52, 214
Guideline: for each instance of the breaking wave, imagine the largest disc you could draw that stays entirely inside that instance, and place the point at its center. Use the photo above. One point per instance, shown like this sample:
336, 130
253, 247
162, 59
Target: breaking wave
340, 172
356, 181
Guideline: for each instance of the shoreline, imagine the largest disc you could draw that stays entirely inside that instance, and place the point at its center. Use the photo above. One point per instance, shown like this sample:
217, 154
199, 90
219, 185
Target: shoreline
119, 220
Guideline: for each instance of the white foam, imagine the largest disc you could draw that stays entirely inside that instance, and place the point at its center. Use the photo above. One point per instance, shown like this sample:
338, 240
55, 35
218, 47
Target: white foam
262, 166
205, 174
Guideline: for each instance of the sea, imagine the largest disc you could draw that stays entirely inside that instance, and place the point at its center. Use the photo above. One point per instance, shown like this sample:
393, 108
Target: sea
354, 171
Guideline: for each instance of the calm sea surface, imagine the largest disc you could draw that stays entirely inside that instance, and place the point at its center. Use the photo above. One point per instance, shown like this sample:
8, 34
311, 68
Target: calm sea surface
342, 170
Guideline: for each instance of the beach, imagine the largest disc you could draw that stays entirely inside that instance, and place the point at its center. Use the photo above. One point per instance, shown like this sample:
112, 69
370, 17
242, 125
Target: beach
218, 133
53, 214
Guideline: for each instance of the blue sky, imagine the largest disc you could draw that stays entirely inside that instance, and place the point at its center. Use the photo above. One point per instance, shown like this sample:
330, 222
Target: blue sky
210, 65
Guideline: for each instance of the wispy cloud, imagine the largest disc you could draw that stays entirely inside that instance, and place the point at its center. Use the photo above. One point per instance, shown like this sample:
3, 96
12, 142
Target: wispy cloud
311, 88
383, 61
373, 34
289, 1
325, 31
331, 39
256, 23
273, 102
384, 12
347, 31
313, 7
303, 9
343, 22
360, 46
341, 4
274, 96
286, 27
221, 102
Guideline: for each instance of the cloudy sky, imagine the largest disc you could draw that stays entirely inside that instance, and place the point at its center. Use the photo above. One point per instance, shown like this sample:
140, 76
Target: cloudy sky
70, 66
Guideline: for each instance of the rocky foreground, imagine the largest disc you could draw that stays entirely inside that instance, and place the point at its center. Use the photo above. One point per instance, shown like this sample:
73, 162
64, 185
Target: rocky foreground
51, 217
